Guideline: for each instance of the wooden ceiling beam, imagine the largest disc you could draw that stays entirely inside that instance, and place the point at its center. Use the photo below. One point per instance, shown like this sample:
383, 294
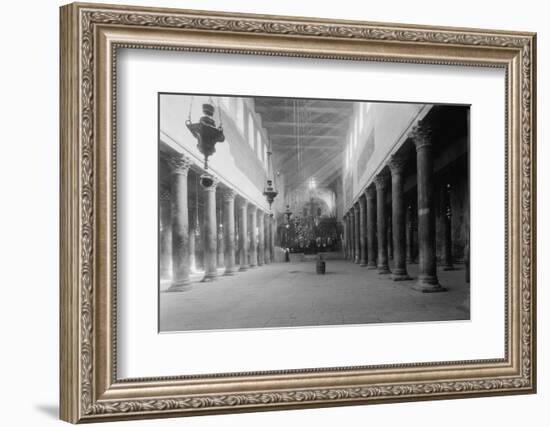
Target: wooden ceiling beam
339, 110
288, 148
275, 136
325, 124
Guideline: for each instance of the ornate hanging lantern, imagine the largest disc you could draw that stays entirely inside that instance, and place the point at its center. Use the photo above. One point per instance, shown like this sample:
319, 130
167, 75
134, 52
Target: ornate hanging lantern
206, 132
288, 213
270, 193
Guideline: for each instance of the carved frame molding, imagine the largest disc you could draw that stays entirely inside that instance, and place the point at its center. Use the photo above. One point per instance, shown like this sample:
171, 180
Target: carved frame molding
90, 36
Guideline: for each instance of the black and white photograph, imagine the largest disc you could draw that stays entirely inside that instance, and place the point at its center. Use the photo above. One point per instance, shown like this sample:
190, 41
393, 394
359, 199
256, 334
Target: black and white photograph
296, 212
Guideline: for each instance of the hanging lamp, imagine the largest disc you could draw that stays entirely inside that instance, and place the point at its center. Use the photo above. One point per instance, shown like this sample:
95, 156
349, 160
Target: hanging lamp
205, 130
270, 191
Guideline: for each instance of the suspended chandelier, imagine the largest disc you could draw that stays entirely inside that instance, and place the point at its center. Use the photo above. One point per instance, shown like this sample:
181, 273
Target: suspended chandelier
205, 131
269, 191
288, 213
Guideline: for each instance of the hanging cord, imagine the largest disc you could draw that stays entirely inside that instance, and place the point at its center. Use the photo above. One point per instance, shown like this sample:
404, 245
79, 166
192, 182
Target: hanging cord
190, 109
219, 114
297, 132
197, 224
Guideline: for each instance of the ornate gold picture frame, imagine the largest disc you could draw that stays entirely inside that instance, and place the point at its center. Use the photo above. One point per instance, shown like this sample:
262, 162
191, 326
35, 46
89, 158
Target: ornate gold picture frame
90, 37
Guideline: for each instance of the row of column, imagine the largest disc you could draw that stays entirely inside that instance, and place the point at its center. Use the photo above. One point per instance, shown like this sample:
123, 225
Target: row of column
182, 247
366, 223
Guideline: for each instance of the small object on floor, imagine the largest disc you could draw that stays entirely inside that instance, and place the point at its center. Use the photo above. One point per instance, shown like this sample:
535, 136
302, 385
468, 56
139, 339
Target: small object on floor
321, 267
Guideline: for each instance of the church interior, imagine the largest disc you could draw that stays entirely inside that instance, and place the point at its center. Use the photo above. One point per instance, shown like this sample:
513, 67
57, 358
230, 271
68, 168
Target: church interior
286, 212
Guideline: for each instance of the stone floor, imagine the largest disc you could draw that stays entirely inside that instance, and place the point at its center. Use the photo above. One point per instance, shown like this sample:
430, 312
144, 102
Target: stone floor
292, 294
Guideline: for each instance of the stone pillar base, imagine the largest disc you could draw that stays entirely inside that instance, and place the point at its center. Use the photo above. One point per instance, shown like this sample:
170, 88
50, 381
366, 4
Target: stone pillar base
243, 268
229, 272
371, 266
384, 270
400, 275
363, 264
428, 285
180, 286
209, 277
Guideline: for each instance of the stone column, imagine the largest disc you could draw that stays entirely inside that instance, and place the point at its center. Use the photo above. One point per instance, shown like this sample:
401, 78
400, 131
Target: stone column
357, 234
345, 243
272, 229
351, 250
220, 238
346, 236
410, 235
415, 234
427, 269
180, 224
210, 232
261, 237
229, 231
253, 237
399, 212
352, 233
192, 237
467, 225
267, 245
381, 183
447, 225
165, 246
243, 235
363, 231
351, 226
390, 236
370, 196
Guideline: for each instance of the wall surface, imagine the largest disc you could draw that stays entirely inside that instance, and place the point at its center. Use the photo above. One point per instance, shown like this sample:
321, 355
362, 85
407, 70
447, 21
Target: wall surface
29, 174
385, 130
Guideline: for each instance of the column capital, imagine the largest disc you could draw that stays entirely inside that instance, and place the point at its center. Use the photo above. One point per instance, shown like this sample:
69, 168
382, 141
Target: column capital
421, 135
208, 182
180, 164
370, 192
381, 180
228, 194
397, 163
242, 203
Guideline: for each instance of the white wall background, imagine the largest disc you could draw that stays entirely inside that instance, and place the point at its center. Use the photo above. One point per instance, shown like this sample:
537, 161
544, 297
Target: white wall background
29, 173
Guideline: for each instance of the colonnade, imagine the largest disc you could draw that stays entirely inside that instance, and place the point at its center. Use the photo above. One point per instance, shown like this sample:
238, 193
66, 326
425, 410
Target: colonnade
366, 222
245, 241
